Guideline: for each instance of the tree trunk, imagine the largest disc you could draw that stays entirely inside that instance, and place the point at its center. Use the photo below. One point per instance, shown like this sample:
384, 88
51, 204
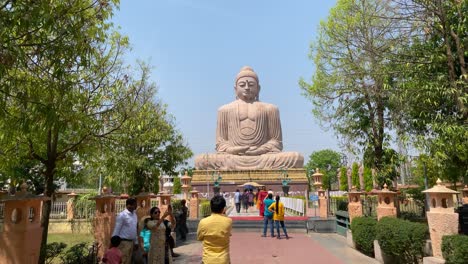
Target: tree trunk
46, 209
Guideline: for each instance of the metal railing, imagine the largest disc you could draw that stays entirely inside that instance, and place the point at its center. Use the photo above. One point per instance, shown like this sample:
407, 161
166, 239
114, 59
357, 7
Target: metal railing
58, 210
294, 205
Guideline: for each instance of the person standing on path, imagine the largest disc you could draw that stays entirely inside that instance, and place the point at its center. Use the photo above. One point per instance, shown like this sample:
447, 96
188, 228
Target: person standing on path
126, 225
237, 200
278, 209
181, 221
215, 233
245, 200
262, 194
160, 248
268, 216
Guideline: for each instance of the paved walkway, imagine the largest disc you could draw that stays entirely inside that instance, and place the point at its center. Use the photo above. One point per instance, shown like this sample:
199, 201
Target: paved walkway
249, 247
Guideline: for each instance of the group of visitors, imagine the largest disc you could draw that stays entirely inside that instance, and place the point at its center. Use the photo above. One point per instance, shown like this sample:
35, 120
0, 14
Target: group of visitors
155, 241
248, 199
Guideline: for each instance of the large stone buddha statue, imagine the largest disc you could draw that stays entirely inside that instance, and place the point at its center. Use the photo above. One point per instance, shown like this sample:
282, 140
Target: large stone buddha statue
248, 134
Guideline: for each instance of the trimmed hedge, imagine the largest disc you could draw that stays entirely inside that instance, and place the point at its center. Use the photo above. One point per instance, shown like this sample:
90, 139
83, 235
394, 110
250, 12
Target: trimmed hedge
401, 239
364, 230
455, 249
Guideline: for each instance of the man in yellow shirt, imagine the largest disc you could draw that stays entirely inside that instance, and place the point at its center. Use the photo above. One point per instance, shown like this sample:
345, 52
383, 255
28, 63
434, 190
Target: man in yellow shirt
215, 232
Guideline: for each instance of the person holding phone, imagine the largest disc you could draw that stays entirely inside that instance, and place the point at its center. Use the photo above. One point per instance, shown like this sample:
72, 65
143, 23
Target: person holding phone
160, 249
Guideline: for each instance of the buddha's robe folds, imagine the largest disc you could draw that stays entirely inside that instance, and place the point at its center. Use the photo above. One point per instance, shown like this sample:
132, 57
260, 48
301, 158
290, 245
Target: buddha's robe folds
260, 130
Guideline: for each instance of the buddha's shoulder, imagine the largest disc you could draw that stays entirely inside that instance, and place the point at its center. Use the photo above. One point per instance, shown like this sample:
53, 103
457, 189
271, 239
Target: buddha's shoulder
267, 105
227, 107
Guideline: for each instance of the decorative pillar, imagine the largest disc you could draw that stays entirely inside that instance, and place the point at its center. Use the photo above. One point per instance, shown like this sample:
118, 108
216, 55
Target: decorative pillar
71, 206
354, 205
465, 195
386, 205
323, 200
143, 204
186, 184
21, 238
104, 219
164, 201
194, 205
441, 217
167, 184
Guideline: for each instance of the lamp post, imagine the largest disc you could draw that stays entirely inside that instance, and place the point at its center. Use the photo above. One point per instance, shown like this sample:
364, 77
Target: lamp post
284, 178
207, 181
216, 178
328, 188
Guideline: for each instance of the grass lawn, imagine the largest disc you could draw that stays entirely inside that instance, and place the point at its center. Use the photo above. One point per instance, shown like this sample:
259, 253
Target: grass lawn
70, 239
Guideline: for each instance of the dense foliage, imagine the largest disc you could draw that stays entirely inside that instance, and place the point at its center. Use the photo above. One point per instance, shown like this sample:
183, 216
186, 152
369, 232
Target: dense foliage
395, 73
401, 239
68, 101
364, 234
455, 249
327, 161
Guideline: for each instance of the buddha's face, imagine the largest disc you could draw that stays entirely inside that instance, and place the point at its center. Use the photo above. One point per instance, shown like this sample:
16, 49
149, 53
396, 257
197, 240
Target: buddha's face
247, 89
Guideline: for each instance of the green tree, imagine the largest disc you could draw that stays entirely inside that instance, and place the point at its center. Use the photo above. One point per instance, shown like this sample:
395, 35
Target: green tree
343, 179
65, 90
177, 188
353, 79
355, 175
327, 161
433, 82
368, 183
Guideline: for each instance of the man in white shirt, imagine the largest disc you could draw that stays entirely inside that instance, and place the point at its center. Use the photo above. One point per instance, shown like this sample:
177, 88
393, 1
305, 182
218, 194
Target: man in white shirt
126, 228
237, 201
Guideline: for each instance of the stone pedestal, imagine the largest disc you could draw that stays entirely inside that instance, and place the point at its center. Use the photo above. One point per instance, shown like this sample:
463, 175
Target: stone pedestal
386, 205
201, 179
194, 205
164, 201
354, 205
186, 180
143, 205
465, 195
71, 206
104, 221
441, 217
20, 240
323, 204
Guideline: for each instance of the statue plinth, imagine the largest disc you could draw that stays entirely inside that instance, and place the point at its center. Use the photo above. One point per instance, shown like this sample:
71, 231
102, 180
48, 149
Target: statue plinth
232, 179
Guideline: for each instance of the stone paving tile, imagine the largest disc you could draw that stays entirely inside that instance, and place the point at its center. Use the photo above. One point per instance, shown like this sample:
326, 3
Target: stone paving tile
247, 246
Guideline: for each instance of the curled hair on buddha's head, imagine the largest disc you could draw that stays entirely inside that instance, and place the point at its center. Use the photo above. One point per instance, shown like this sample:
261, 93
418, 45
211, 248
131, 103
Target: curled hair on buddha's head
246, 71
217, 204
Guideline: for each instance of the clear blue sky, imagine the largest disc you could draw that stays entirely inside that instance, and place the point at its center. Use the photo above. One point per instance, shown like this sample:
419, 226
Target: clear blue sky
198, 46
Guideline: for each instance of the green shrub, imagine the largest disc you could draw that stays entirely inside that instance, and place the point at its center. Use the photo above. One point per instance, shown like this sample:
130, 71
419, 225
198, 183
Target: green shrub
455, 249
339, 203
205, 209
342, 205
79, 254
364, 231
53, 250
401, 239
176, 205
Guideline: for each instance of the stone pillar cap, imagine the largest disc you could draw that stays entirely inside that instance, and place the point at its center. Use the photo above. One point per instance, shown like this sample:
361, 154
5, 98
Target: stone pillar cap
386, 190
439, 188
317, 172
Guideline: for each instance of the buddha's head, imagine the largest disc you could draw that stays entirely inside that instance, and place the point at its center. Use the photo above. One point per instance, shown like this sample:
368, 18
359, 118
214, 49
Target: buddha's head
247, 87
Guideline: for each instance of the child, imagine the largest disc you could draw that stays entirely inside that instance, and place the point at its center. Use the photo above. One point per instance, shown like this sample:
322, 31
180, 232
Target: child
144, 240
113, 254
